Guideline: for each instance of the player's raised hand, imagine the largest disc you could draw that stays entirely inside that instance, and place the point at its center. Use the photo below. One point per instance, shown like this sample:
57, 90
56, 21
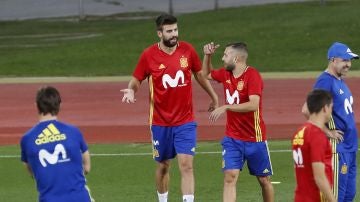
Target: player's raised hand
210, 48
216, 113
129, 96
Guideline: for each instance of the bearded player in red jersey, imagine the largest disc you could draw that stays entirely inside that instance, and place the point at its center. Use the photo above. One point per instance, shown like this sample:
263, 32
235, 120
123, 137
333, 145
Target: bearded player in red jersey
312, 152
245, 138
168, 66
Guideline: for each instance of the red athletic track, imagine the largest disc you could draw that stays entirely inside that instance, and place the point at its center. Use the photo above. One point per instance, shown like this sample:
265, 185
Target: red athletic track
97, 109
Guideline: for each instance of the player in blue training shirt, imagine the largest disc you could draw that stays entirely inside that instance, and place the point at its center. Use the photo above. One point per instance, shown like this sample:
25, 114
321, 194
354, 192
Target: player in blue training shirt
56, 154
342, 120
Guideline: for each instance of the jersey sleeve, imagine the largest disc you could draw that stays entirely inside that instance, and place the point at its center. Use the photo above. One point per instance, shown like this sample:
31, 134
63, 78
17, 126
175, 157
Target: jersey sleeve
23, 151
318, 143
218, 75
195, 60
141, 71
83, 145
255, 83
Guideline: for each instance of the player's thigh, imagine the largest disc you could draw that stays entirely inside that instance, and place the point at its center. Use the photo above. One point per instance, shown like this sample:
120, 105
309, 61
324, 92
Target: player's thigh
232, 154
258, 158
163, 143
185, 138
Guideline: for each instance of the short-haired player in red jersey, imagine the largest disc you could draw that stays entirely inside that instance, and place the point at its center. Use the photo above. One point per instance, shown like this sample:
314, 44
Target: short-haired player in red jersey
168, 65
312, 152
245, 138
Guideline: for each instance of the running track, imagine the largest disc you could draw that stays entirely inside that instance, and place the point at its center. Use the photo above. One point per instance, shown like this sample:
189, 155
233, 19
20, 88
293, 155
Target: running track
97, 109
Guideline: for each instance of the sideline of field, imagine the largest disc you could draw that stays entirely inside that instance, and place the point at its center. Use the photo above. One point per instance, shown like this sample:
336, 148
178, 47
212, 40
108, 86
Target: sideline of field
266, 75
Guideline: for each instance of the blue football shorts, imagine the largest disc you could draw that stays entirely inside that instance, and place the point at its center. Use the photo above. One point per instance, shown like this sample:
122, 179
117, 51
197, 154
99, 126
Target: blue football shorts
256, 154
168, 141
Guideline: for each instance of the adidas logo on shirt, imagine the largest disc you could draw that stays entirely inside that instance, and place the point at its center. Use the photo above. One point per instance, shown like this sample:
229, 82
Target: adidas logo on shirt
162, 66
49, 134
341, 92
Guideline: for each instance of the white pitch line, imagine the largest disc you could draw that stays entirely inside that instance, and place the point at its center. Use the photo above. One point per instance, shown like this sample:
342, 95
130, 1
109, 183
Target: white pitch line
148, 153
139, 154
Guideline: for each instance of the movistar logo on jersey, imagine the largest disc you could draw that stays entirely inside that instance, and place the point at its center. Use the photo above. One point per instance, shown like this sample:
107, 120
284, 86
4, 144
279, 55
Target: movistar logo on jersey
348, 105
232, 98
49, 134
298, 157
179, 80
52, 158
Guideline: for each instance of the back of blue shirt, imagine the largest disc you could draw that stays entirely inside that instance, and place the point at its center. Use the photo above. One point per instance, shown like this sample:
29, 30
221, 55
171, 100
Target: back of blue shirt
342, 116
54, 152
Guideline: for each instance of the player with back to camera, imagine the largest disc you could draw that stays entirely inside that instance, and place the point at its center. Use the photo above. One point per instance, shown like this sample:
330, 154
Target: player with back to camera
312, 152
55, 153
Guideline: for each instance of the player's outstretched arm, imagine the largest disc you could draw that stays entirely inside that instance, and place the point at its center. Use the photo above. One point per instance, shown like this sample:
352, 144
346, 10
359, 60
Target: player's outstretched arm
321, 181
129, 93
86, 162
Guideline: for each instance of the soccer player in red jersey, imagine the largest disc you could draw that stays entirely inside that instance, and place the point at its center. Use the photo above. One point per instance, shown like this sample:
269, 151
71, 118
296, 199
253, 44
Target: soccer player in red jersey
312, 152
245, 138
168, 66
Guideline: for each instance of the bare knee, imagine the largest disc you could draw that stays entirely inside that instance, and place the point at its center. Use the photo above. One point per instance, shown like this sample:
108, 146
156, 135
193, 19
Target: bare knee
185, 164
264, 182
163, 168
230, 177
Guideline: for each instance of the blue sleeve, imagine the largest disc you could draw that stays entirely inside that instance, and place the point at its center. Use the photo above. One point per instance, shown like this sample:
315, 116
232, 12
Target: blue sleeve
83, 145
23, 151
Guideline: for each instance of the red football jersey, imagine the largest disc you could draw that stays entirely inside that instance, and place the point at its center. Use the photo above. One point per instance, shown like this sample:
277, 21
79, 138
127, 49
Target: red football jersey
170, 85
309, 145
247, 126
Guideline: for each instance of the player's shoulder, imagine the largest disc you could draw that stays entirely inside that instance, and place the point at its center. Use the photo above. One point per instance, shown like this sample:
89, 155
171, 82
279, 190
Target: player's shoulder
325, 81
185, 45
63, 126
29, 133
252, 71
151, 48
325, 76
315, 133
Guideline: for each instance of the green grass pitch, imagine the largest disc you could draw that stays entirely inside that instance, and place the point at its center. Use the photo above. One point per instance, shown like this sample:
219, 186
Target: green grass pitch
125, 172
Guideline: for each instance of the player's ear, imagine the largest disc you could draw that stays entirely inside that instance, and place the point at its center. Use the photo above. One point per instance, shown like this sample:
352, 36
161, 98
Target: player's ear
159, 33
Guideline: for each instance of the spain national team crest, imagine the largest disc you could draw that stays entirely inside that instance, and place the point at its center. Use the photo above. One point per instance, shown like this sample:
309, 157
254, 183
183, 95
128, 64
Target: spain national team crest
184, 62
240, 85
344, 169
155, 153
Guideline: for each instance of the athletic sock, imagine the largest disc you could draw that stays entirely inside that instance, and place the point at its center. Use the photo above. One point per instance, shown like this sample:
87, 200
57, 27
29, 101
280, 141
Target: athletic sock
163, 197
188, 198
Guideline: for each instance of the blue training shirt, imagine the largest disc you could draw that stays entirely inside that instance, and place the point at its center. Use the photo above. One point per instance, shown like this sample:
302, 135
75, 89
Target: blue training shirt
342, 116
54, 152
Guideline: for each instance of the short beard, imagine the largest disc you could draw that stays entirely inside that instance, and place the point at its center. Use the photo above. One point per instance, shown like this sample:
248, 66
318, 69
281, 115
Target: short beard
230, 67
168, 42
